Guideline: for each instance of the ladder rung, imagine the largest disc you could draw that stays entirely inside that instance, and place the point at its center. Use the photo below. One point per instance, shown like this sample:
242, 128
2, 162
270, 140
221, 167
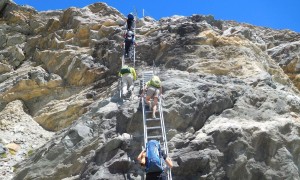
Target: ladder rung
154, 127
153, 119
152, 137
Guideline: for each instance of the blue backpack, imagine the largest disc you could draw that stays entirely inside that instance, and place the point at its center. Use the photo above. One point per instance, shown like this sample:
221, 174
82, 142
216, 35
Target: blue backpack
153, 154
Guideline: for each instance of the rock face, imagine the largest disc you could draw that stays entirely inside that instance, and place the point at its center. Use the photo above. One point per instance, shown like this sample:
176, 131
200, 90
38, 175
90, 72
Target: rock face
231, 98
20, 134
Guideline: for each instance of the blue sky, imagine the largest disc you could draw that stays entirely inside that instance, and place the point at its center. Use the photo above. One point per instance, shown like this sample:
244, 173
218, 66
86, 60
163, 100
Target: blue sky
276, 14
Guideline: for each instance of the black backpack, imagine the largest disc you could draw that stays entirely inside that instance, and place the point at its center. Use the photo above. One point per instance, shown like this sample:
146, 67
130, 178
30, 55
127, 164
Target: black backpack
125, 70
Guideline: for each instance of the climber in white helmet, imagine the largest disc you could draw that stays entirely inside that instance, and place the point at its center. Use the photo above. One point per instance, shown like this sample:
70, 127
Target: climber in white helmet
129, 41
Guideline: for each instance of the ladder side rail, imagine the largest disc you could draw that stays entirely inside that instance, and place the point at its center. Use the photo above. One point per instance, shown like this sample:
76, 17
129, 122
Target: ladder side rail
144, 80
123, 54
134, 56
164, 135
169, 174
153, 67
144, 123
144, 114
163, 125
145, 77
120, 86
123, 48
134, 24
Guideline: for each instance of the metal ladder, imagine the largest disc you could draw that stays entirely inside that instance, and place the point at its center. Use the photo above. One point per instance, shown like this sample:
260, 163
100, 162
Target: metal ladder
132, 48
123, 58
134, 26
154, 128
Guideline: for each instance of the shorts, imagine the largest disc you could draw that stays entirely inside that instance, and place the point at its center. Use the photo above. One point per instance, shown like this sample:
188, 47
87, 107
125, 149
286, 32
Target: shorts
152, 92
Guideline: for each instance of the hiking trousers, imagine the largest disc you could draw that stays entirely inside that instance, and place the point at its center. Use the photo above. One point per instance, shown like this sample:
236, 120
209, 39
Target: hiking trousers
128, 43
127, 82
129, 23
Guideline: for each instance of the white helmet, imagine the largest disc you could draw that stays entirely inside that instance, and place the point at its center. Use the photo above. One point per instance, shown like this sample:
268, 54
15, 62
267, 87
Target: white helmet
129, 33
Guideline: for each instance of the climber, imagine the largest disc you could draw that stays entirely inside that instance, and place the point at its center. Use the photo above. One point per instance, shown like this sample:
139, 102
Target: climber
130, 20
154, 89
128, 75
151, 158
129, 40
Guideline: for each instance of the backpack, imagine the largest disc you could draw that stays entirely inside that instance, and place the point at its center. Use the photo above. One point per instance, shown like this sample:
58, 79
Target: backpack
155, 81
153, 160
125, 69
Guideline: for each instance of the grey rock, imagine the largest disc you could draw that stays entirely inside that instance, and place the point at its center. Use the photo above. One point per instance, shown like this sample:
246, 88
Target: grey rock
16, 39
4, 68
231, 103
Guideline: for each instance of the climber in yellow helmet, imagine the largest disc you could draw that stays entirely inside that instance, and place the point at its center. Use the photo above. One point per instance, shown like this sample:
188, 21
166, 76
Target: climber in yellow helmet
154, 89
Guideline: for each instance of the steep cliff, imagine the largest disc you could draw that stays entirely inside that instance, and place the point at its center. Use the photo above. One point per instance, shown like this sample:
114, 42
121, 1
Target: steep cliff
231, 99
